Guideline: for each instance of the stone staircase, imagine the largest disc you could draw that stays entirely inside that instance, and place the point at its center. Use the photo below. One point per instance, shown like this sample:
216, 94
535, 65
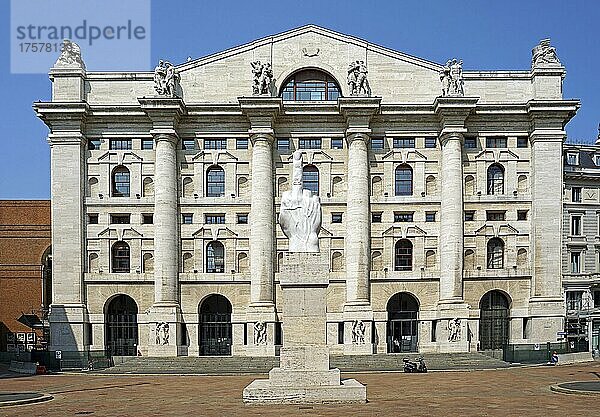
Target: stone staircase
238, 365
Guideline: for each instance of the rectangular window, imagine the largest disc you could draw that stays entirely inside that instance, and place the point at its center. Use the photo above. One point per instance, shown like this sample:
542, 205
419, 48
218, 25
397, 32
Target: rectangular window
469, 215
120, 218
187, 218
575, 225
404, 142
278, 334
214, 218
242, 218
430, 216
188, 144
92, 218
241, 143
403, 216
376, 217
434, 330
470, 142
283, 144
526, 327
496, 142
120, 144
576, 194
309, 143
337, 143
215, 143
430, 142
147, 144
522, 142
575, 262
93, 144
572, 158
574, 300
147, 219
495, 216
340, 333
336, 217
377, 143
521, 214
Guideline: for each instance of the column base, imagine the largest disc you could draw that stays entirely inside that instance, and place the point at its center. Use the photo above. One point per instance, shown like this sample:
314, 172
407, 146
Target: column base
262, 312
358, 344
452, 331
165, 331
68, 327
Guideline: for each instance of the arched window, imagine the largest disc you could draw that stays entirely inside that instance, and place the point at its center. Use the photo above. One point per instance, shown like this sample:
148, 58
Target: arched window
188, 187
337, 186
188, 262
430, 259
215, 182
522, 260
243, 262
242, 186
148, 187
469, 260
120, 257
93, 262
522, 184
403, 258
215, 257
93, 187
469, 185
495, 253
337, 262
430, 185
120, 182
376, 186
281, 185
148, 262
404, 180
376, 261
495, 179
310, 85
310, 178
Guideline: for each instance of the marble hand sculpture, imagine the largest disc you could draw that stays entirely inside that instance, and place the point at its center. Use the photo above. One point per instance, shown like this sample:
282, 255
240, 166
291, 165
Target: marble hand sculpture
300, 216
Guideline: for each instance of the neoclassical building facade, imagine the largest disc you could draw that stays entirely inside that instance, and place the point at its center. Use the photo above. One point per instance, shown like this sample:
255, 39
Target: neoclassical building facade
441, 195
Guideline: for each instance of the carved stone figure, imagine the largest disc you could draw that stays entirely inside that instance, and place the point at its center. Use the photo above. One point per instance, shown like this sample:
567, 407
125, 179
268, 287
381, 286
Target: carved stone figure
70, 56
358, 332
300, 216
543, 53
260, 333
454, 330
357, 79
451, 77
263, 78
162, 333
164, 78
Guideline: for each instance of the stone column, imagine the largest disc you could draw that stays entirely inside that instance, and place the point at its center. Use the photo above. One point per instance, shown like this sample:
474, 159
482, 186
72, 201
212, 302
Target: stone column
68, 312
358, 113
452, 312
546, 305
262, 221
358, 223
165, 315
261, 113
451, 219
166, 227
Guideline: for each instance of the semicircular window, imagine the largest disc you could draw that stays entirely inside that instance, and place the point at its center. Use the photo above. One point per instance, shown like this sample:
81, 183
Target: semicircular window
310, 85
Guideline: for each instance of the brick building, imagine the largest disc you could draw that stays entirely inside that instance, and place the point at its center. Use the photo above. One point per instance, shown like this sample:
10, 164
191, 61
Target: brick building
25, 265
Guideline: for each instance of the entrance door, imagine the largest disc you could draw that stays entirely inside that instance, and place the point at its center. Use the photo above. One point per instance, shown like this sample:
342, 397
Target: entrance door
121, 326
494, 321
215, 326
402, 328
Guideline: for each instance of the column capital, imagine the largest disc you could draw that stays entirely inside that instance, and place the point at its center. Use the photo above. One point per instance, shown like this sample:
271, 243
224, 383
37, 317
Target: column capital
164, 112
358, 112
261, 112
266, 135
452, 112
357, 136
63, 116
165, 135
447, 136
550, 115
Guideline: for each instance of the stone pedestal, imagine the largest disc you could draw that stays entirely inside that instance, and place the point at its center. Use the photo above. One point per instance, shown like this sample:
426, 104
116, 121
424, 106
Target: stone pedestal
452, 327
257, 346
165, 331
355, 342
304, 375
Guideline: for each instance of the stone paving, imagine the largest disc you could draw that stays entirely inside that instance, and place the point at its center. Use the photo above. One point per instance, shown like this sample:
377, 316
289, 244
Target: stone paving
504, 392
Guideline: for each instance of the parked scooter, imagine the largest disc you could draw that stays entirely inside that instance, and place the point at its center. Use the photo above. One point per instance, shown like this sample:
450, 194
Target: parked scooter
415, 367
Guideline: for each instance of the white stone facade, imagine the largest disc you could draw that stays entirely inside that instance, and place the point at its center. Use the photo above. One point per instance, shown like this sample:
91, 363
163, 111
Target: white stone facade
369, 147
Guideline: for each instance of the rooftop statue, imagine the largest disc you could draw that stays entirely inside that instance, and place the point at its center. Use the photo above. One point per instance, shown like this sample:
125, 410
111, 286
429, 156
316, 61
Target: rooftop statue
70, 56
543, 53
262, 78
357, 79
164, 78
300, 216
451, 77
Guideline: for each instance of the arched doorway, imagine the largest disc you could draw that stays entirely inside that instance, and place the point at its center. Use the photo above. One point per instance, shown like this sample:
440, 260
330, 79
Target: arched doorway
402, 328
215, 326
121, 326
494, 321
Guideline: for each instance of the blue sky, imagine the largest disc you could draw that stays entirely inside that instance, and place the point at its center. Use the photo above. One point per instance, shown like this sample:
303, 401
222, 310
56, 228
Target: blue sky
484, 34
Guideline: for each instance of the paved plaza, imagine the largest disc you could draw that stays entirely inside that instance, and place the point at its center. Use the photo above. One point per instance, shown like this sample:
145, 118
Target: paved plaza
505, 392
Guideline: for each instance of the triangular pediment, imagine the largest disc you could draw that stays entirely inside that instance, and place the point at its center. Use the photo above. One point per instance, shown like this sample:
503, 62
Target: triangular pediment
119, 157
495, 230
404, 155
497, 155
214, 157
225, 76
